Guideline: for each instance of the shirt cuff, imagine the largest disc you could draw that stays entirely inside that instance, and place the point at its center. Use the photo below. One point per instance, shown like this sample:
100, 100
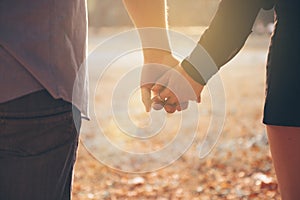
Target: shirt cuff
199, 65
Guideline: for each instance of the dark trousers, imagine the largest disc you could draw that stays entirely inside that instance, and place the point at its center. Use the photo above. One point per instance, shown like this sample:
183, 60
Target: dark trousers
38, 143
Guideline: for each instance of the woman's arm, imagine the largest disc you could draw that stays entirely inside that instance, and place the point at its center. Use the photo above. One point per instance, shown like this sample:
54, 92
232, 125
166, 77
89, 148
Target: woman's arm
225, 35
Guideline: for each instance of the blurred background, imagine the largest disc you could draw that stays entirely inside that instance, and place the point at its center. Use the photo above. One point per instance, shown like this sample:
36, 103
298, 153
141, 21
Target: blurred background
107, 13
240, 166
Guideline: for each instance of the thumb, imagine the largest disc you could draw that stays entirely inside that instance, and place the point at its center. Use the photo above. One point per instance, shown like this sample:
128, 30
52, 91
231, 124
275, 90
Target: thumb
161, 83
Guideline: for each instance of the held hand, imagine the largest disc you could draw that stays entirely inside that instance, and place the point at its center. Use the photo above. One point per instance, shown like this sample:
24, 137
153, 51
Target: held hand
156, 63
175, 89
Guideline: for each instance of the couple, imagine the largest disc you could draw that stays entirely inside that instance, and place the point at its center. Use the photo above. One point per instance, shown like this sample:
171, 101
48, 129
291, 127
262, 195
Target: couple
42, 45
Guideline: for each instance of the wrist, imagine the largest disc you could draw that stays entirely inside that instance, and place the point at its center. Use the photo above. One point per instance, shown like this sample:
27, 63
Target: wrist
199, 65
156, 55
192, 72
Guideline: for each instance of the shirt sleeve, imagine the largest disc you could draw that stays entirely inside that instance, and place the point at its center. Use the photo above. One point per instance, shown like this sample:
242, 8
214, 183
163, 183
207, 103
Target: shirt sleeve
224, 37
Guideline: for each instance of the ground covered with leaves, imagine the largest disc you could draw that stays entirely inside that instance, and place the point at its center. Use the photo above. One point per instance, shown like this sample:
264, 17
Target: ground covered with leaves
240, 172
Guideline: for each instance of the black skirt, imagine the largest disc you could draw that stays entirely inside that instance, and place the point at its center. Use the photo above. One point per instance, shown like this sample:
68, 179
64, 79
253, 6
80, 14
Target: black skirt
282, 105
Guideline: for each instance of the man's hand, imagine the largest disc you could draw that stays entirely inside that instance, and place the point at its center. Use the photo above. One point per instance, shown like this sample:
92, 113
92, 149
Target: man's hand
175, 89
156, 63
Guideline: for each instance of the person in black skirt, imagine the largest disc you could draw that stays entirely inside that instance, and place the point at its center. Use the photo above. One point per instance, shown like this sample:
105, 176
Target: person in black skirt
222, 40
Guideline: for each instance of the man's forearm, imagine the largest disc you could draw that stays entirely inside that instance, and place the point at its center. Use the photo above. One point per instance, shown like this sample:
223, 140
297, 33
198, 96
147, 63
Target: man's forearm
150, 17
